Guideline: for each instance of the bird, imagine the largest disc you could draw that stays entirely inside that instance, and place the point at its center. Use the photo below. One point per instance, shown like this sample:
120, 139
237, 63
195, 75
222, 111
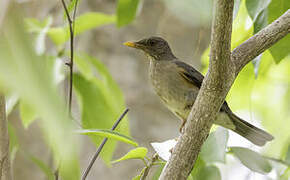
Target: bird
177, 84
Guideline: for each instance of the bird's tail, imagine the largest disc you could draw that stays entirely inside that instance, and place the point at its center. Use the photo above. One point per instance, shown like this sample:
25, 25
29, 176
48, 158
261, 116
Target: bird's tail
255, 135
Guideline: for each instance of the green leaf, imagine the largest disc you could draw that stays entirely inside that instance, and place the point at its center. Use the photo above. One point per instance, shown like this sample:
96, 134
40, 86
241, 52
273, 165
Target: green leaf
126, 11
261, 21
84, 67
27, 114
108, 134
199, 165
84, 22
252, 159
255, 7
277, 8
43, 167
281, 49
101, 100
209, 173
138, 153
214, 148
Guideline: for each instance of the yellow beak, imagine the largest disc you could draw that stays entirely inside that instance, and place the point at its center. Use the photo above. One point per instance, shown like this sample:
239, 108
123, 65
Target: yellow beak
130, 44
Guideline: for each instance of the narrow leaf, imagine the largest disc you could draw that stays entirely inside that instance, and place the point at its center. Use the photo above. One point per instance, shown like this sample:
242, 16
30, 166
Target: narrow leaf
108, 134
252, 159
138, 153
261, 21
43, 167
101, 100
255, 7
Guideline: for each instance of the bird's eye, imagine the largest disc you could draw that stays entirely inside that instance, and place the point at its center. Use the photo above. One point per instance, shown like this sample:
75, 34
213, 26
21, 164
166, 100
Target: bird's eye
151, 42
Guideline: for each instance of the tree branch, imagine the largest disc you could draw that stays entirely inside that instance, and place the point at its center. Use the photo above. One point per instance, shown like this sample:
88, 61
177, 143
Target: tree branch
5, 169
216, 84
223, 69
261, 41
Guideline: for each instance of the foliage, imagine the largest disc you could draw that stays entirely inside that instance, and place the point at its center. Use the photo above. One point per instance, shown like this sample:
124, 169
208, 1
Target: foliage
108, 134
126, 11
252, 160
100, 99
138, 153
23, 72
29, 74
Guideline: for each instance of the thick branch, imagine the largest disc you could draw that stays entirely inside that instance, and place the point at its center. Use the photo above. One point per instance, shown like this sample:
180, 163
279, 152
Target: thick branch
210, 98
5, 172
261, 41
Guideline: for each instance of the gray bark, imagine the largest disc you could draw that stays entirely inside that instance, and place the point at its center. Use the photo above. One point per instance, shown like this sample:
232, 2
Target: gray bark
5, 172
223, 69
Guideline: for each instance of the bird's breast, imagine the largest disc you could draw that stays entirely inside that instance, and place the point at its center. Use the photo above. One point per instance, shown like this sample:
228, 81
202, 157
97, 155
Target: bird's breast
172, 88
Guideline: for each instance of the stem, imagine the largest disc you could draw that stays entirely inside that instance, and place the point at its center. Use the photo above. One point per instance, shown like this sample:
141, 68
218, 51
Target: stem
71, 23
102, 145
5, 166
147, 168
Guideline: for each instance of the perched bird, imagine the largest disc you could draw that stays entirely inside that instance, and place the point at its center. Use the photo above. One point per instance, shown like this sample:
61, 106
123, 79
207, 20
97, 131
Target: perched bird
177, 84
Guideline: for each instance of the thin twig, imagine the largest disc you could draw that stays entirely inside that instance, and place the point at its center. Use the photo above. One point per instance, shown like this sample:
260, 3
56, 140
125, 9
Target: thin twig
102, 145
71, 63
147, 168
71, 30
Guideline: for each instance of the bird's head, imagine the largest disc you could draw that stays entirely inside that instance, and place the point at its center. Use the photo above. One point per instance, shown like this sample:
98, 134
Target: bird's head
155, 47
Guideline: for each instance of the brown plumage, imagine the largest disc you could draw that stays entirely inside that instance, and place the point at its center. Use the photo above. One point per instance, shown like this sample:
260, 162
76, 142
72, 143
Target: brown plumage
177, 84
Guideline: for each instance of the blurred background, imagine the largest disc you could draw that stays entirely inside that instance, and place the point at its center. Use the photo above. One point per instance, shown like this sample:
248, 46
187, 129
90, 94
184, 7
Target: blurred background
261, 94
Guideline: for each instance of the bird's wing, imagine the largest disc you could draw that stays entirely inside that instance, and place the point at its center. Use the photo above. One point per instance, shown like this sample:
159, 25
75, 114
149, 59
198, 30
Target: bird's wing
189, 73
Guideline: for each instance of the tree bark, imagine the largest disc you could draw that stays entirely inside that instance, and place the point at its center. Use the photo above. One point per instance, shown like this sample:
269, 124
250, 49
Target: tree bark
223, 69
213, 91
5, 172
